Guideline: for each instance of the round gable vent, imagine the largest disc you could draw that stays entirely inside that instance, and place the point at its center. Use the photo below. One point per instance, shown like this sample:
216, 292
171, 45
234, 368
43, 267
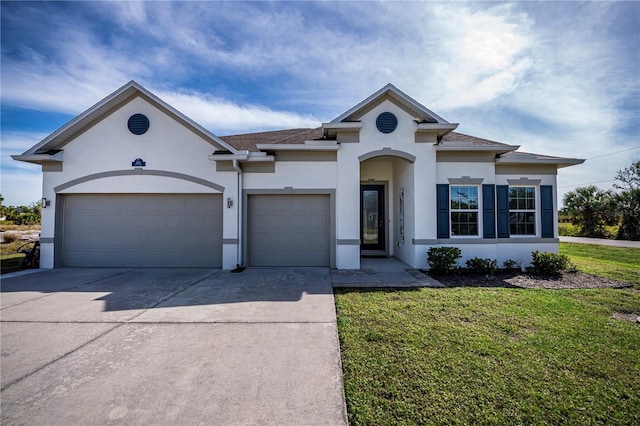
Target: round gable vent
138, 124
386, 122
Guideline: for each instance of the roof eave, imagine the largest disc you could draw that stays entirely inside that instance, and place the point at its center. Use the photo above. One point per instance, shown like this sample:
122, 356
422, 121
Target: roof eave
126, 91
498, 149
40, 158
390, 88
441, 129
297, 147
560, 162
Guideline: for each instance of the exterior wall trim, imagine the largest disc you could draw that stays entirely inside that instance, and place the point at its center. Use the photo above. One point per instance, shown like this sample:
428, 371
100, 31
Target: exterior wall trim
134, 172
465, 180
348, 242
387, 152
524, 181
419, 242
513, 240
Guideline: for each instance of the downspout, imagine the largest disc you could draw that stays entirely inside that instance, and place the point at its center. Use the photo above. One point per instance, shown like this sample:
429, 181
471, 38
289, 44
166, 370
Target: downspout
238, 169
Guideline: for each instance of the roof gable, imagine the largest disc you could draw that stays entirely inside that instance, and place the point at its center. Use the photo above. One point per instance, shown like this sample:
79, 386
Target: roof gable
55, 141
395, 95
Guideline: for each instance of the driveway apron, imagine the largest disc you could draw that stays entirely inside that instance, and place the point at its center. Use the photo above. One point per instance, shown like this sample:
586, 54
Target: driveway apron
171, 346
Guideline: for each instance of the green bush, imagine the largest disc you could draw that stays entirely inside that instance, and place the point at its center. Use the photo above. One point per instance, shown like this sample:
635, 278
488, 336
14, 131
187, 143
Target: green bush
443, 260
510, 264
29, 219
568, 230
549, 263
478, 265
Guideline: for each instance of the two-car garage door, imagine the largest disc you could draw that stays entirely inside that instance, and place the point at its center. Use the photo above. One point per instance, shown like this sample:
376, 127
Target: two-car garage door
142, 230
185, 230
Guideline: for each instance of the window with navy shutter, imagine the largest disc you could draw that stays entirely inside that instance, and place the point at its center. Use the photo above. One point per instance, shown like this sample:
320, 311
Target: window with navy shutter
488, 211
546, 204
442, 201
502, 195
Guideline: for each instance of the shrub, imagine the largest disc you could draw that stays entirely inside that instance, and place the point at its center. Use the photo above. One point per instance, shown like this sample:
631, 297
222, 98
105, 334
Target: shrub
478, 265
443, 260
549, 263
10, 237
510, 264
29, 219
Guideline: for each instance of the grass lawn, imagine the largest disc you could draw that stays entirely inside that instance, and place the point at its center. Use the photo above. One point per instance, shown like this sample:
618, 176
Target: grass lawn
618, 263
490, 356
495, 355
10, 262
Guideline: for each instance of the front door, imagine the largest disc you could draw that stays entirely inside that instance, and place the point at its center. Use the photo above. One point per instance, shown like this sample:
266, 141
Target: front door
372, 221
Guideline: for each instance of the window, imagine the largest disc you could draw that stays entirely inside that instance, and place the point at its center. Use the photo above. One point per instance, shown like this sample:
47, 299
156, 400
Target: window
464, 210
522, 210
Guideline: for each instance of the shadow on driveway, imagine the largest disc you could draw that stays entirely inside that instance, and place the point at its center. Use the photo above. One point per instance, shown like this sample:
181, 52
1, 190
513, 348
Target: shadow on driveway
145, 288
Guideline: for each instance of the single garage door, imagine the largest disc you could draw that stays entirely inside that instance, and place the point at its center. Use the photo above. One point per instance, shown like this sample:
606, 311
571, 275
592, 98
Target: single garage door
143, 230
288, 230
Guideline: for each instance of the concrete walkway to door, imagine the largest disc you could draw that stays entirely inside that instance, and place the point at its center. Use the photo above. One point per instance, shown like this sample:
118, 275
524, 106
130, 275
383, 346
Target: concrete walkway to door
170, 346
382, 272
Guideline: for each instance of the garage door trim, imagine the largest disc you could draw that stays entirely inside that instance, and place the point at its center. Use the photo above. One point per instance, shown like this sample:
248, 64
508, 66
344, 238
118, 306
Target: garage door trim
134, 172
290, 191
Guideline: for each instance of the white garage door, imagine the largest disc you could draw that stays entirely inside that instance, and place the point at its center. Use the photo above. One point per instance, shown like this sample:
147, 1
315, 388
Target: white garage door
142, 230
288, 230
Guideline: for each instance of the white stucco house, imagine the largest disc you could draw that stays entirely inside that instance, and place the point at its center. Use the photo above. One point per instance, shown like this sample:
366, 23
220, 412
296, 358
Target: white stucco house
133, 182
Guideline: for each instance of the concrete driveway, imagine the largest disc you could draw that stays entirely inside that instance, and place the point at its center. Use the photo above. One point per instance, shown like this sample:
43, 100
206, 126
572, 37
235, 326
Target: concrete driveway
170, 346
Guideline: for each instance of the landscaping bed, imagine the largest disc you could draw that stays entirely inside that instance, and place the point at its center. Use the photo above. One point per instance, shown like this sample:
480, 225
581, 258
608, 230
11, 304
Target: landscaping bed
510, 279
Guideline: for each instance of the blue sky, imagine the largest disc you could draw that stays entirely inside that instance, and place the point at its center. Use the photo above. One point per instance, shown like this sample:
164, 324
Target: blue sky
558, 78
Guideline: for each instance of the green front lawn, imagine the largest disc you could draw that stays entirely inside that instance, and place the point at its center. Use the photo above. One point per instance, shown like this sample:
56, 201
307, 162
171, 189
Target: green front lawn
490, 356
10, 262
618, 263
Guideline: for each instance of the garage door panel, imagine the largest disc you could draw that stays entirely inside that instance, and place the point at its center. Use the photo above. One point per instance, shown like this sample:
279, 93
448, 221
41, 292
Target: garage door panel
143, 230
288, 230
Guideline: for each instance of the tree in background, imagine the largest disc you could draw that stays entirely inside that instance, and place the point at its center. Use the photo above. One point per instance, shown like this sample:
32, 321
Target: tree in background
628, 201
21, 215
592, 209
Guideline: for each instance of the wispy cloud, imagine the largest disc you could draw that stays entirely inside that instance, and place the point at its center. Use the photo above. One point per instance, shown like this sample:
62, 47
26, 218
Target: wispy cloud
511, 72
228, 117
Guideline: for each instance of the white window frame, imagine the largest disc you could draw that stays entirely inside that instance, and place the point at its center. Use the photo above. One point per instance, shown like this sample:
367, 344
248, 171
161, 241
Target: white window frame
476, 211
536, 216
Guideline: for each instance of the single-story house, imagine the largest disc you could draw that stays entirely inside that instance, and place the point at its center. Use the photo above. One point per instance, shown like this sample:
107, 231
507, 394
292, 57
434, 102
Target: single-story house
134, 182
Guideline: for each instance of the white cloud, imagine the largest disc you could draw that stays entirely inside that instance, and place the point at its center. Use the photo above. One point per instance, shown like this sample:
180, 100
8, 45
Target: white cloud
306, 63
224, 117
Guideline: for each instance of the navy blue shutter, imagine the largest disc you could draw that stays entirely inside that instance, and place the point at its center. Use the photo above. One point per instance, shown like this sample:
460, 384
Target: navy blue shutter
502, 192
442, 195
546, 203
488, 211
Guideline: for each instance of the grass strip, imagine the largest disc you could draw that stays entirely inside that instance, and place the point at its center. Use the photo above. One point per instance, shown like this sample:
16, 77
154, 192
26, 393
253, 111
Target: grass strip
618, 263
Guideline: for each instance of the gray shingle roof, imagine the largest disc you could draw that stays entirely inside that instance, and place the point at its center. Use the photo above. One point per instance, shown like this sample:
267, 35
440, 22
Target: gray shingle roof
248, 141
475, 141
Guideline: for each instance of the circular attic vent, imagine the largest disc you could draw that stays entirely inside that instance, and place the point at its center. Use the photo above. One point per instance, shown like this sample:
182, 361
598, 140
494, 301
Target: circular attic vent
138, 124
386, 122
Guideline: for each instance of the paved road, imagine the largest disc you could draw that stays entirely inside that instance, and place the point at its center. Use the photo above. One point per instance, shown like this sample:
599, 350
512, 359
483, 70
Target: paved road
601, 242
170, 346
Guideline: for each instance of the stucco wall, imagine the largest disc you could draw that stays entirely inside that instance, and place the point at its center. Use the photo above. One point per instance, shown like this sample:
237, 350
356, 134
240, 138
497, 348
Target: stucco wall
108, 146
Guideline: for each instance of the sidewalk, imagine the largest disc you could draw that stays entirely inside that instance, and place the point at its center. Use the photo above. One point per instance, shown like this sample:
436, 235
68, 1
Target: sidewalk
601, 242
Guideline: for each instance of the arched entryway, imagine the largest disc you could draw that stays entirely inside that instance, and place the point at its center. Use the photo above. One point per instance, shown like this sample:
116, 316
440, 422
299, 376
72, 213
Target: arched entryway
386, 203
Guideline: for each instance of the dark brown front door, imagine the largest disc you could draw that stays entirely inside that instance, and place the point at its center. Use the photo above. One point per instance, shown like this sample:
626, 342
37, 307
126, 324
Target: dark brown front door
372, 219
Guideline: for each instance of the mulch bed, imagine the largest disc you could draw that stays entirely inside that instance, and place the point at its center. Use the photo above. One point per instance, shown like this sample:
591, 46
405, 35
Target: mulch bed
517, 279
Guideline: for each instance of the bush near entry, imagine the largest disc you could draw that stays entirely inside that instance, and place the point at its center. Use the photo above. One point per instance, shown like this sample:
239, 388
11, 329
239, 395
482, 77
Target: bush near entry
443, 260
549, 263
